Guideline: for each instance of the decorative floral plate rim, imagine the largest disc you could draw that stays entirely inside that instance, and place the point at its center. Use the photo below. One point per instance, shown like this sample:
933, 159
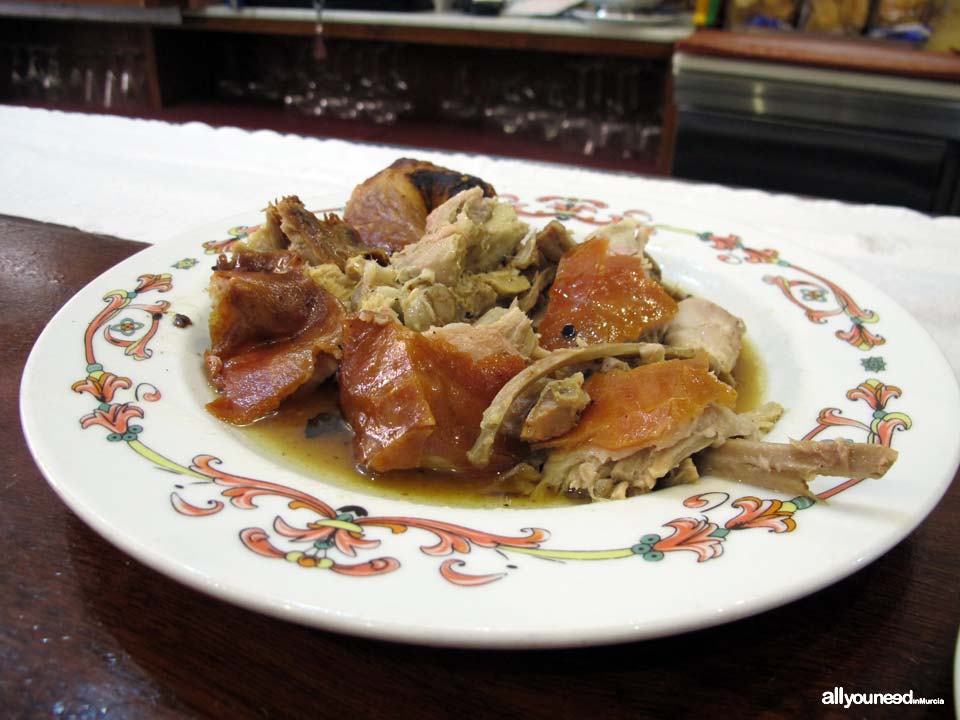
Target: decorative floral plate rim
111, 408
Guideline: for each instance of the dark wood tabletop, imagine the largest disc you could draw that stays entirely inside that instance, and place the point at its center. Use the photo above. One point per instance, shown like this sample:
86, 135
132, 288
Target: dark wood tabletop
87, 632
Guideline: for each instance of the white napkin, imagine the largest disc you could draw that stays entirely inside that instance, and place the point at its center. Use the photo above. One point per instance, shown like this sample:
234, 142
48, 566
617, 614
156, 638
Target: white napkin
149, 181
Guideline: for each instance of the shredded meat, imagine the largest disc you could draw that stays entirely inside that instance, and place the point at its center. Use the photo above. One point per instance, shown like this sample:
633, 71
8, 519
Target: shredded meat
506, 282
500, 331
442, 255
268, 237
788, 467
626, 237
554, 241
495, 415
468, 234
333, 280
556, 411
427, 305
499, 234
683, 474
464, 203
599, 472
702, 325
290, 226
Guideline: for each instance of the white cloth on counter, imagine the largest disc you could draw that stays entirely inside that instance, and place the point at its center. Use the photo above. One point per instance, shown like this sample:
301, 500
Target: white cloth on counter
150, 181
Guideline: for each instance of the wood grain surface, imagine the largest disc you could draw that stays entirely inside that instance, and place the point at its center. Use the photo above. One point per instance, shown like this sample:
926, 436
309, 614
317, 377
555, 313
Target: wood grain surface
825, 51
87, 632
446, 36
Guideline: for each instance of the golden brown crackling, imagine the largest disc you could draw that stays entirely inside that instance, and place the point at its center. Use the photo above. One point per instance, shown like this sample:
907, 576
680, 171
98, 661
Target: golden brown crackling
270, 333
321, 241
389, 210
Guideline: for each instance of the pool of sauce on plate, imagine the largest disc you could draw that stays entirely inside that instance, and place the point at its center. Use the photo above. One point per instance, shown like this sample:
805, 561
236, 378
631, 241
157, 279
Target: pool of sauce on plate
308, 435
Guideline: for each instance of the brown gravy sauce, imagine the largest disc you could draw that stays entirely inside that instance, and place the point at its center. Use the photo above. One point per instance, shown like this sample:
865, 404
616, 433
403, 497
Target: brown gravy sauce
328, 453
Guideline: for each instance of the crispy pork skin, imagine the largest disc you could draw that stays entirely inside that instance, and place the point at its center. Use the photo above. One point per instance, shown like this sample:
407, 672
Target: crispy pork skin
390, 209
320, 241
498, 414
603, 296
645, 406
289, 226
271, 333
416, 400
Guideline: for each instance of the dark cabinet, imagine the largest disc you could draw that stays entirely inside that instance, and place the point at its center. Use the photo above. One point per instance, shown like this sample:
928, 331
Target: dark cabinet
845, 163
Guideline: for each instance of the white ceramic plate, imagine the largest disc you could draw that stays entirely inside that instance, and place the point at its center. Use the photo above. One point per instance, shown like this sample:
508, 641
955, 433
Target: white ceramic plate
112, 406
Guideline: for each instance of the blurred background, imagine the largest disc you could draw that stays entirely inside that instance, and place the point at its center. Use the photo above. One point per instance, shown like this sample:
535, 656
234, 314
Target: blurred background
856, 100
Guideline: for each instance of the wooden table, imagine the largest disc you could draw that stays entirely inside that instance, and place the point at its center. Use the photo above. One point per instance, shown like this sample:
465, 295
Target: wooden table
88, 632
814, 50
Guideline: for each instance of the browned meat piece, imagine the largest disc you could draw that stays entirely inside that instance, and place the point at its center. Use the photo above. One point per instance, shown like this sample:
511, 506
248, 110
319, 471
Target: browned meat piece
289, 226
641, 424
538, 256
702, 325
438, 184
543, 248
554, 241
270, 333
602, 293
615, 474
317, 241
390, 209
556, 411
253, 307
789, 467
268, 237
415, 400
499, 410
266, 262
